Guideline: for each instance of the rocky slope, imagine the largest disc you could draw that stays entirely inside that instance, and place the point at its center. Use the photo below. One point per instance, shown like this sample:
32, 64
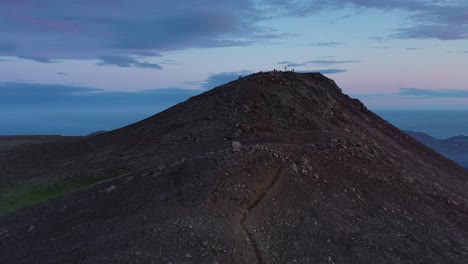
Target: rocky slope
9, 142
277, 167
454, 148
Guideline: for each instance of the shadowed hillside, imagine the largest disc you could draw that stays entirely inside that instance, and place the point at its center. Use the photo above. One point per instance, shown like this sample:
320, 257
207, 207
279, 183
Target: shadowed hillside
9, 142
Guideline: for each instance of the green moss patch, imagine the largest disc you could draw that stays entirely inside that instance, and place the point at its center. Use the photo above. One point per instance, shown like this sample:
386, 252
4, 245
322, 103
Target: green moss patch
26, 195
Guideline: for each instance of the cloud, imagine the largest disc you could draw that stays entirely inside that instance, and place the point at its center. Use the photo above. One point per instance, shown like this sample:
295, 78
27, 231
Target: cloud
444, 20
417, 98
426, 93
146, 53
31, 108
87, 29
325, 44
20, 95
7, 47
325, 71
421, 93
17, 94
125, 61
292, 64
330, 62
147, 65
62, 73
454, 51
331, 71
218, 79
441, 32
315, 62
37, 59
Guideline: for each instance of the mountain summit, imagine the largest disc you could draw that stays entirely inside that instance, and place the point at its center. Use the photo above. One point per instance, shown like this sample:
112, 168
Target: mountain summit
276, 167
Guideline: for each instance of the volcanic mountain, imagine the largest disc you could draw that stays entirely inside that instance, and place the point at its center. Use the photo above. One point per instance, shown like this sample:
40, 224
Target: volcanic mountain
276, 167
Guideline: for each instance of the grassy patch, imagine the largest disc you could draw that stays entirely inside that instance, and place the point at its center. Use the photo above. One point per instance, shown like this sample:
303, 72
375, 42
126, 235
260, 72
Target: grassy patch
14, 198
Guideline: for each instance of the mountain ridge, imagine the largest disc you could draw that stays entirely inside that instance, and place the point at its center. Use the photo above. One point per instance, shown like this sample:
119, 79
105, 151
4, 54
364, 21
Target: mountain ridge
275, 167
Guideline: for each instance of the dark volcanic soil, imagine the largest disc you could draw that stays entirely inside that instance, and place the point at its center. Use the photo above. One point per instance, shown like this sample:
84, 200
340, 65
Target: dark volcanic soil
9, 142
277, 167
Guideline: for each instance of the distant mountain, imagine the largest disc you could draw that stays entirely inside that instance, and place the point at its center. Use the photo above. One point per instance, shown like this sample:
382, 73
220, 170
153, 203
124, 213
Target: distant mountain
96, 133
276, 167
454, 148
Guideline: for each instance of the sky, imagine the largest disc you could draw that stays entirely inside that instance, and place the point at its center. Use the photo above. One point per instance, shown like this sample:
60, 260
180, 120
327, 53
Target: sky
109, 63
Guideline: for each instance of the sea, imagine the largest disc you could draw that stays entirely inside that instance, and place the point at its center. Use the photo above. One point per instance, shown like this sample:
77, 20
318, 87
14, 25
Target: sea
440, 124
